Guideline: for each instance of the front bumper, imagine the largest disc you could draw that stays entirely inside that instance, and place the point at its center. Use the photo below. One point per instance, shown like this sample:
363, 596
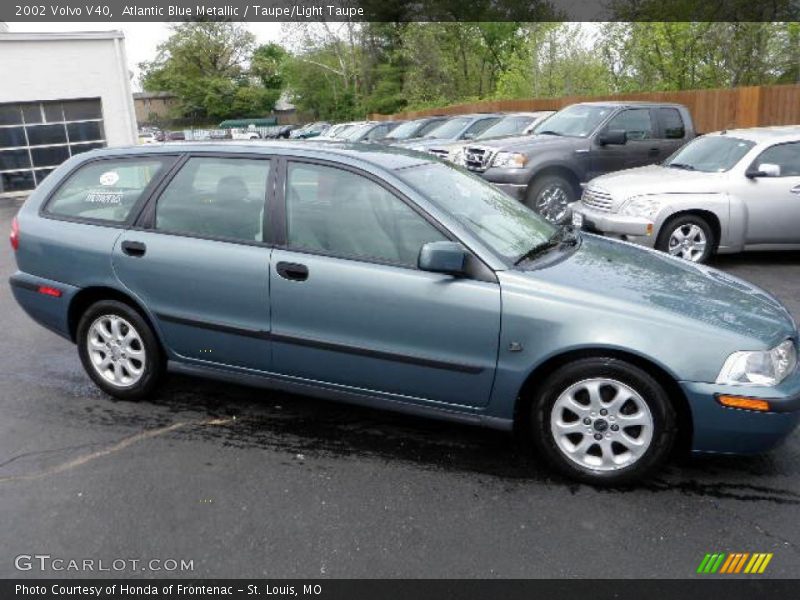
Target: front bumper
720, 429
632, 229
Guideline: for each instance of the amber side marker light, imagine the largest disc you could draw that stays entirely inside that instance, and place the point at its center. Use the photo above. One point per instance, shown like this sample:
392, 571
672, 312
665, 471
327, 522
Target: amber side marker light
743, 402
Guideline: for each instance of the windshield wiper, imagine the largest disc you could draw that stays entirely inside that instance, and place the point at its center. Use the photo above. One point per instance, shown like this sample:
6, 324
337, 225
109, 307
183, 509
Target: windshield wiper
549, 132
684, 166
566, 235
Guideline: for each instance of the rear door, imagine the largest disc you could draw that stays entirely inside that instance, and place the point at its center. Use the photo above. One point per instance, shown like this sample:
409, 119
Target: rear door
671, 132
200, 263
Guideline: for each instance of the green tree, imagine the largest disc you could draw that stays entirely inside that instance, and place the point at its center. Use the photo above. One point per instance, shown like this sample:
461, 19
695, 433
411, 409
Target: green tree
268, 65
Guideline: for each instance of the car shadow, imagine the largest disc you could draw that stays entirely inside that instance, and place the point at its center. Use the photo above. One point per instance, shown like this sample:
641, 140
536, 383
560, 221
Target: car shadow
306, 427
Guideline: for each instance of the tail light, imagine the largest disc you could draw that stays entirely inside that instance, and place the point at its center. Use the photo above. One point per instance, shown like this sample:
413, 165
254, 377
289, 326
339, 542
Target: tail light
14, 237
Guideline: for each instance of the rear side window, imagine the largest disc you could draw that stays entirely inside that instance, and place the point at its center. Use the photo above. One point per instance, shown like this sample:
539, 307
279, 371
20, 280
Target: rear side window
216, 197
106, 190
672, 123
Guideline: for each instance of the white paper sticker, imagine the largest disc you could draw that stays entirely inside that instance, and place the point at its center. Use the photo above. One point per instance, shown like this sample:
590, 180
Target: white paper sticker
109, 178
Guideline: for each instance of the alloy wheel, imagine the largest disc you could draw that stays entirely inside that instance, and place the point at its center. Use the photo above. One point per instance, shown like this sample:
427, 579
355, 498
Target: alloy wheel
116, 350
601, 424
688, 241
552, 203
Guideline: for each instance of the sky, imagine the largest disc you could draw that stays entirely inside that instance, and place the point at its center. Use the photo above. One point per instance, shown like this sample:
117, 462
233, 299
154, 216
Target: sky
141, 39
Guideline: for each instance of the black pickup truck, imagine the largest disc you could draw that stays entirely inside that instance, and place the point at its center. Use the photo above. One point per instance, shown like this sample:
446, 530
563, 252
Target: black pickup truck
545, 170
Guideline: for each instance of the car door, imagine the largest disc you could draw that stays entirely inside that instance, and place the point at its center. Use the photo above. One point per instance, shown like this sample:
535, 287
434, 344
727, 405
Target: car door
199, 262
350, 308
640, 148
671, 132
773, 203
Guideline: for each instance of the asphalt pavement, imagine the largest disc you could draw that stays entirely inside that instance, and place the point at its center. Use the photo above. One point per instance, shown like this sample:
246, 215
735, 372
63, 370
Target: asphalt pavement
251, 483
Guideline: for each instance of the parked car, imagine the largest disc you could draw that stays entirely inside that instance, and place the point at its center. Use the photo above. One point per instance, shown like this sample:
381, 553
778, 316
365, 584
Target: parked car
151, 136
725, 192
413, 129
176, 136
245, 134
509, 125
371, 131
603, 376
462, 127
338, 131
578, 143
310, 130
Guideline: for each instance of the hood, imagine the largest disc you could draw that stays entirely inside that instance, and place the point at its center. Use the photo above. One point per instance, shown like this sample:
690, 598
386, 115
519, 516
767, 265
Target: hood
656, 179
527, 143
424, 144
643, 281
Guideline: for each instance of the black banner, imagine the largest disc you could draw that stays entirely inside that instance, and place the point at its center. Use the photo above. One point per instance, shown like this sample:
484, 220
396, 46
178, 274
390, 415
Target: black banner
398, 10
733, 588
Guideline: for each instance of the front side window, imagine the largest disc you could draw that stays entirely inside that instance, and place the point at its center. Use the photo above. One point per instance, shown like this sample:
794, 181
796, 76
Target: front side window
635, 122
106, 190
786, 156
341, 213
502, 223
216, 197
710, 153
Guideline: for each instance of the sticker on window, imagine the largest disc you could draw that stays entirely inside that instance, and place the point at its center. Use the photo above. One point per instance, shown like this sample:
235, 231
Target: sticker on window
109, 178
103, 197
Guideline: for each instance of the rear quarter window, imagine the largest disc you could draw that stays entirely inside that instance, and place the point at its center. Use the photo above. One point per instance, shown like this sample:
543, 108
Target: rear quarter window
106, 190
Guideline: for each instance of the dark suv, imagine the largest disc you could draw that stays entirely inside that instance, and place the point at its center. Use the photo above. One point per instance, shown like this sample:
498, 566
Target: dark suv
581, 141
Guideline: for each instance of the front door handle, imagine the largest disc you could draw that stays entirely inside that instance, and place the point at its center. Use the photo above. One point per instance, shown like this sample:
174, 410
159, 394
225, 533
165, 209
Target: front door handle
133, 248
795, 190
292, 271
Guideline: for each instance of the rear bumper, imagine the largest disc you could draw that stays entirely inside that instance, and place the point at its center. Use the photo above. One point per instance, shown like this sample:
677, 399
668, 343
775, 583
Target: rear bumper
633, 229
720, 429
49, 311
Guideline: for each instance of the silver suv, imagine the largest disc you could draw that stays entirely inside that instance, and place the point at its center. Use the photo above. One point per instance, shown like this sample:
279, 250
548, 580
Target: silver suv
724, 192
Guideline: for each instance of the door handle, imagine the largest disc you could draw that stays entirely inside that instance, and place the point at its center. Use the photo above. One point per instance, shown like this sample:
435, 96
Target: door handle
292, 271
133, 248
795, 190
653, 152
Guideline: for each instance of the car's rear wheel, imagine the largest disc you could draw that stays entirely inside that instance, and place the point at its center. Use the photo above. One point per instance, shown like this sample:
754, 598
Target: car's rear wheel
603, 421
689, 237
119, 350
550, 197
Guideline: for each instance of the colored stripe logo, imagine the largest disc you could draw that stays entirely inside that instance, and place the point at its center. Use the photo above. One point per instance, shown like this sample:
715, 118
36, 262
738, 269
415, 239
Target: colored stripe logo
734, 563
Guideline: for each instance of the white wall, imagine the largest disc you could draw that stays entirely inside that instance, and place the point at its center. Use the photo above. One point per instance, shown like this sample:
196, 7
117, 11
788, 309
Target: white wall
61, 67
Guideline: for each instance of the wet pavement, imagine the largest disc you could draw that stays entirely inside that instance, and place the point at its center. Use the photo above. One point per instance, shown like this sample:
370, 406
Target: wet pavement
253, 483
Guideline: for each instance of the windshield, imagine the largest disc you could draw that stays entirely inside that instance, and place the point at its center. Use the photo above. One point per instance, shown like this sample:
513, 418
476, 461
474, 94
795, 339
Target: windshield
507, 126
358, 132
406, 130
711, 154
505, 225
449, 129
578, 120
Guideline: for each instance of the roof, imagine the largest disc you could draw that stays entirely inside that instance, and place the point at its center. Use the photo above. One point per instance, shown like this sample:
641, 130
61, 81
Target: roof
30, 36
380, 155
631, 103
764, 134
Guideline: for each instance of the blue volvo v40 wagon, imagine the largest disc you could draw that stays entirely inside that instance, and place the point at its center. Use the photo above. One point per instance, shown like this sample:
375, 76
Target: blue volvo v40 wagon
385, 277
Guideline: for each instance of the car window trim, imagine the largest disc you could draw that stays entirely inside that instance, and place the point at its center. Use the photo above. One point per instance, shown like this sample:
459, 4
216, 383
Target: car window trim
138, 206
756, 159
147, 219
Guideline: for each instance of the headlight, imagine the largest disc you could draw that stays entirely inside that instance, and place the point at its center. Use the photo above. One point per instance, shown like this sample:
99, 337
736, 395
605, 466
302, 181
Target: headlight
509, 160
766, 367
642, 206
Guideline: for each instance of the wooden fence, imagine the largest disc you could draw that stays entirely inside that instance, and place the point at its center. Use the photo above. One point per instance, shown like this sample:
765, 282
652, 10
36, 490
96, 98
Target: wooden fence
712, 109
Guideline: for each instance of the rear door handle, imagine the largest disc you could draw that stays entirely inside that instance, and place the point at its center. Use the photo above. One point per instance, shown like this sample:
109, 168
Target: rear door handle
292, 271
795, 190
133, 248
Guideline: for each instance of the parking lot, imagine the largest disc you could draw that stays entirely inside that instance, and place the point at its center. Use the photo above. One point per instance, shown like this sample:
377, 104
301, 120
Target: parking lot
250, 483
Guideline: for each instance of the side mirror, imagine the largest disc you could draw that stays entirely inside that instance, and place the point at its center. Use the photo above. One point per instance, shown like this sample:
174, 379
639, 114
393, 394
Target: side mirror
764, 170
443, 257
613, 137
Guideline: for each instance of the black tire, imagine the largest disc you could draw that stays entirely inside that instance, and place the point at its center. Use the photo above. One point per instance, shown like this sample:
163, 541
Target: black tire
153, 363
661, 412
685, 222
549, 183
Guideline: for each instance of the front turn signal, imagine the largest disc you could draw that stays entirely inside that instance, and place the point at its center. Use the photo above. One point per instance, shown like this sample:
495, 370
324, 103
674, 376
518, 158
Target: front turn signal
743, 402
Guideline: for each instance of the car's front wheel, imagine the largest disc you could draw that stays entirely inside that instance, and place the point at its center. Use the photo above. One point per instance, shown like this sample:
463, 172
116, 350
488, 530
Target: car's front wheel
687, 236
603, 421
119, 350
550, 196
